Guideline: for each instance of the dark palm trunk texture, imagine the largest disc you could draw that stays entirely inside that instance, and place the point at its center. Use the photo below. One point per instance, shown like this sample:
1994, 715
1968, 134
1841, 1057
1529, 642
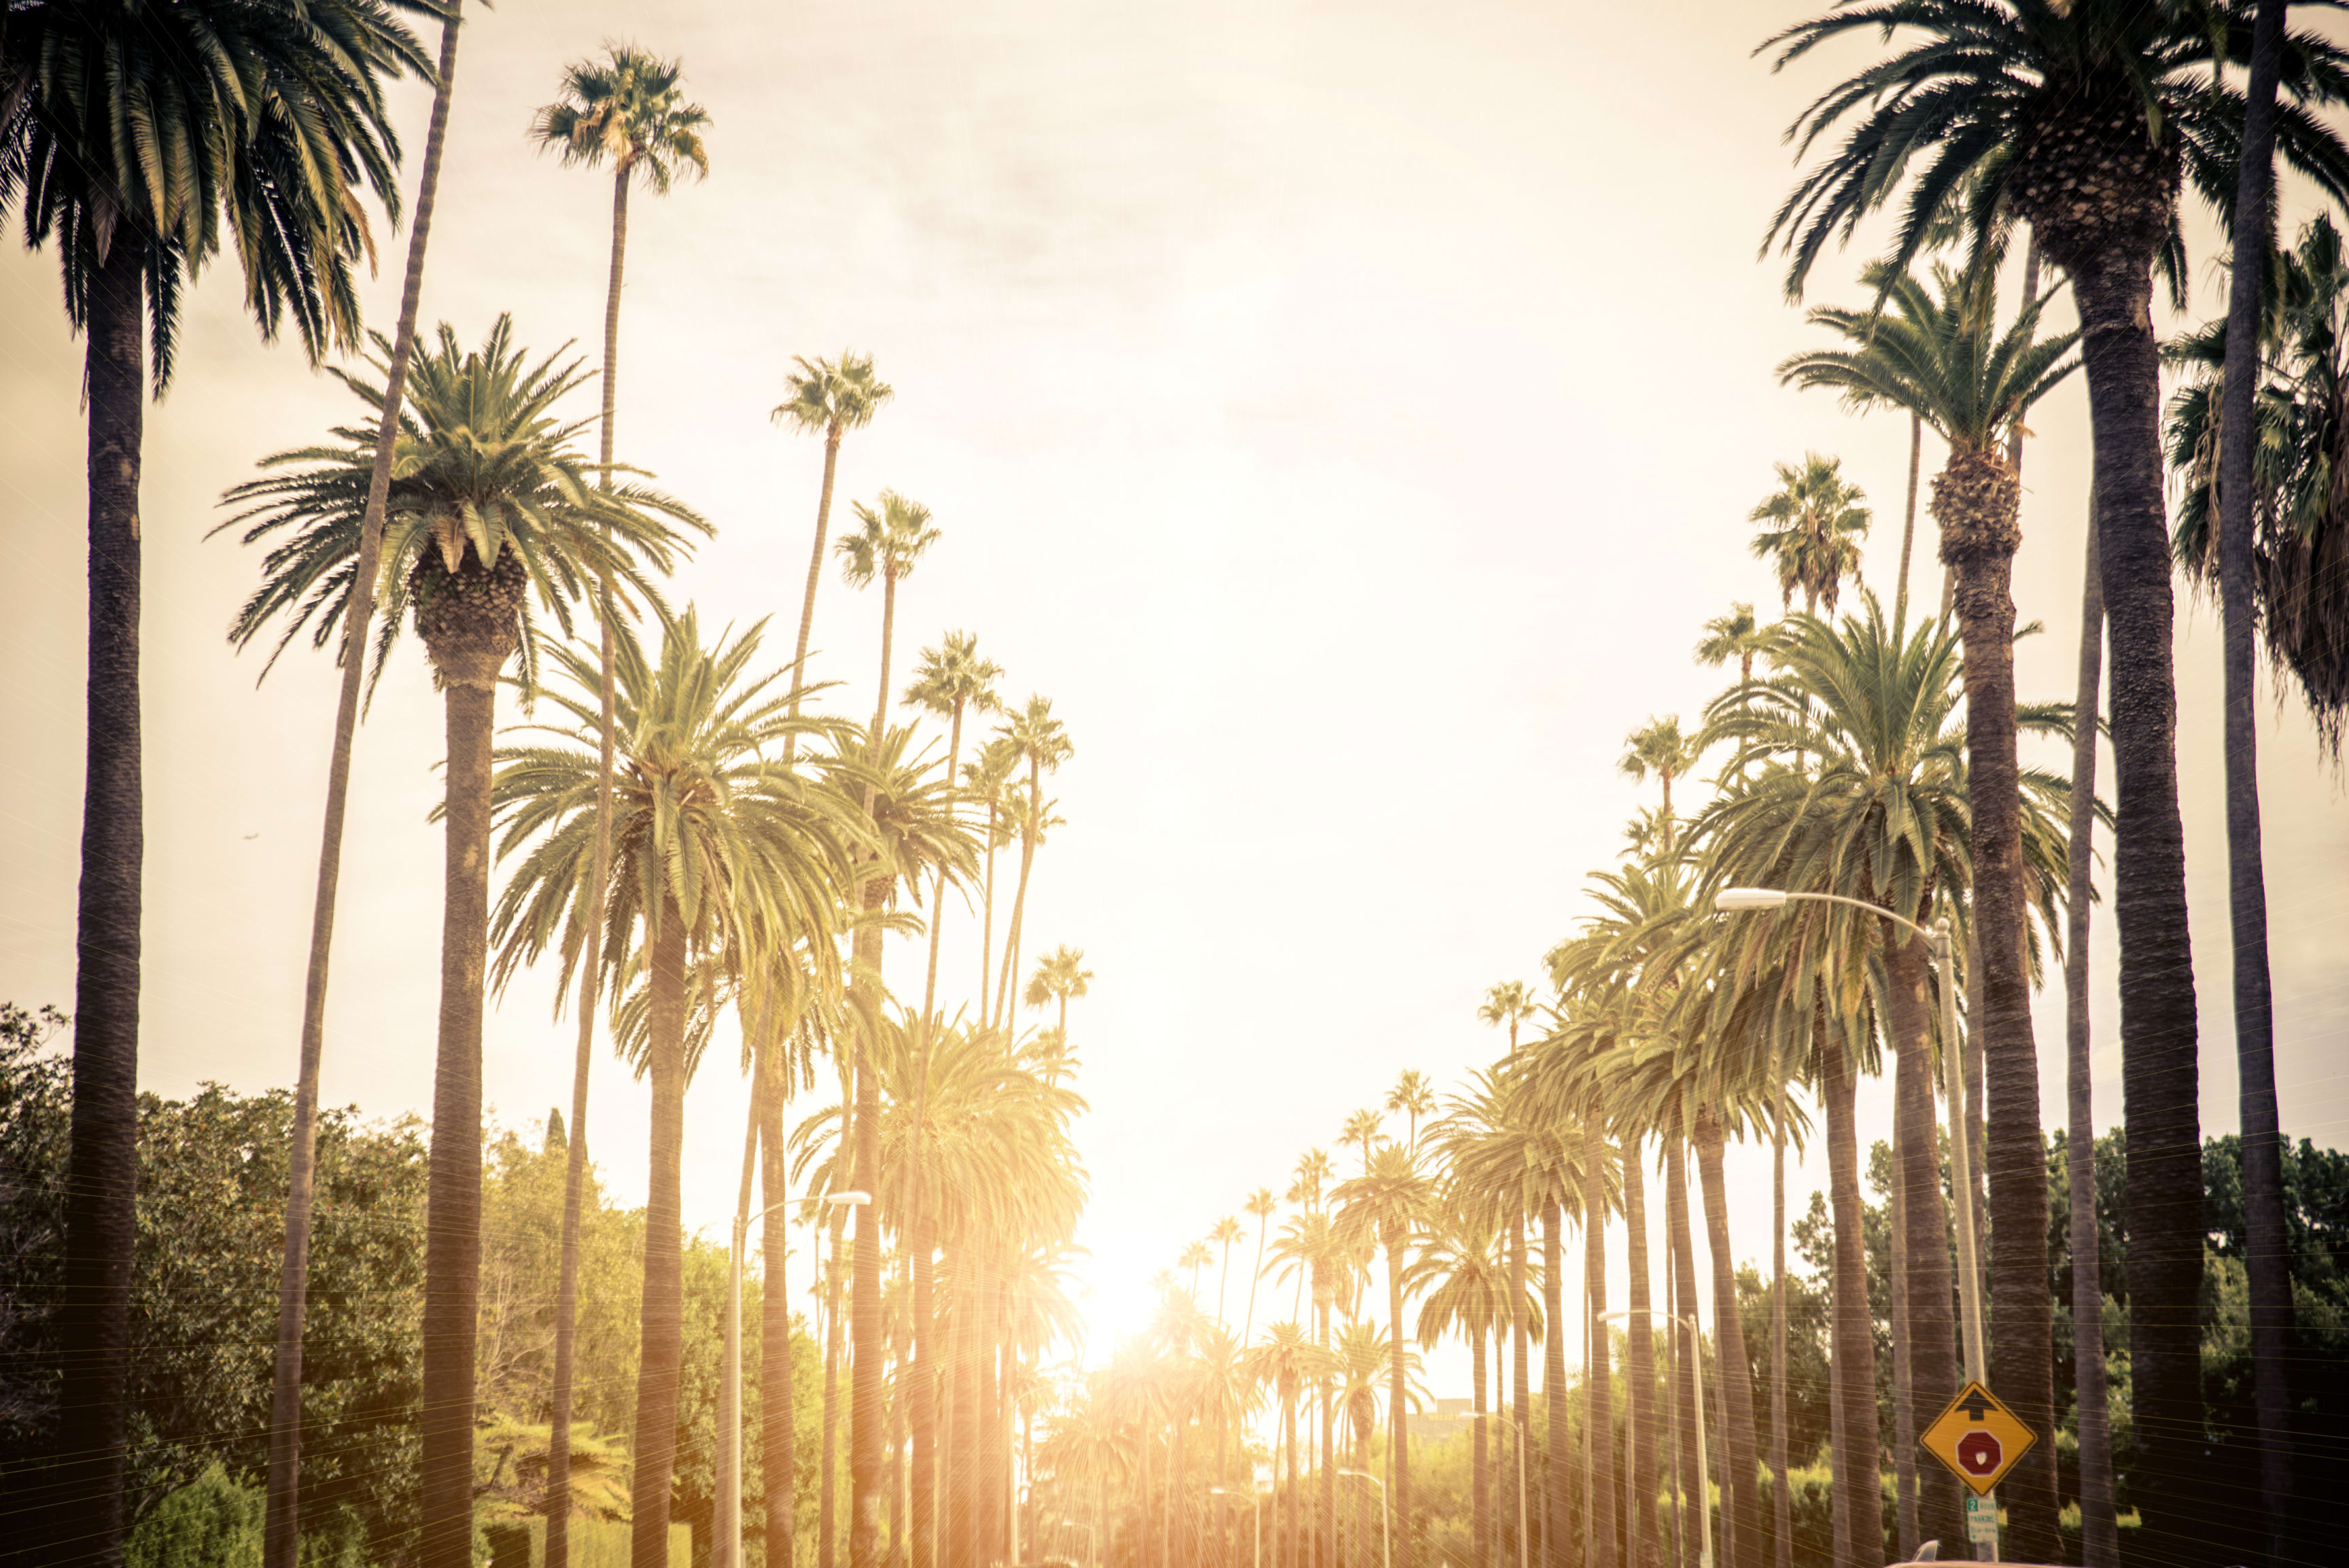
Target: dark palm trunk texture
466, 619
1558, 1495
778, 1459
2160, 1085
661, 1328
2266, 1243
1640, 1367
1514, 1476
1598, 1528
1687, 1384
1975, 500
865, 1347
1933, 1349
1859, 1529
1740, 1462
2099, 1538
102, 1181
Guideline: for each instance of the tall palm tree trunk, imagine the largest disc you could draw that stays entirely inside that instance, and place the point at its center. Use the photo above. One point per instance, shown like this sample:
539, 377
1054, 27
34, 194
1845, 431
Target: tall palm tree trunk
1247, 1323
1325, 1539
1782, 1504
468, 621
1514, 1481
827, 1529
1860, 1524
1598, 1522
1738, 1462
962, 1519
1560, 1469
990, 1506
1399, 1401
1688, 1392
866, 1351
1640, 1367
777, 1436
2099, 1536
815, 574
1931, 1331
661, 1330
1908, 523
282, 1526
1005, 1002
1975, 500
1673, 1312
1481, 1472
922, 1443
986, 918
2160, 1079
1904, 1389
2266, 1253
101, 1190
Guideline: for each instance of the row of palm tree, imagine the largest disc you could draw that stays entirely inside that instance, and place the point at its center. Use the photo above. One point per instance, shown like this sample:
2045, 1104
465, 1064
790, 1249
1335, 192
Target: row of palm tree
677, 853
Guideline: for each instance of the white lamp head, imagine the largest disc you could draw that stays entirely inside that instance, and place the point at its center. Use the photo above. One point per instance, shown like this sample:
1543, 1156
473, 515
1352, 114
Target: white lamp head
1736, 898
848, 1200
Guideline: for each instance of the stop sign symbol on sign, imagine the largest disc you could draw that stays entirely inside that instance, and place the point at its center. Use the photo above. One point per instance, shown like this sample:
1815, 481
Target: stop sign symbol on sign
1978, 1452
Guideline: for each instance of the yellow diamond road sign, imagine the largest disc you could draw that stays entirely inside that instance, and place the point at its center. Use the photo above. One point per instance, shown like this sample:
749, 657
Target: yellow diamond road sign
1978, 1438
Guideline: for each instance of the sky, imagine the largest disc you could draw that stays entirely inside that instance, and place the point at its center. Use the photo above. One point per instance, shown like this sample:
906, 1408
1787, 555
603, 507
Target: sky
1347, 414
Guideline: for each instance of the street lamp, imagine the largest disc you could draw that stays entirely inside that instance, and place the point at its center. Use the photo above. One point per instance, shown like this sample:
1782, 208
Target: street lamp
727, 1549
1961, 1146
1386, 1516
1696, 1369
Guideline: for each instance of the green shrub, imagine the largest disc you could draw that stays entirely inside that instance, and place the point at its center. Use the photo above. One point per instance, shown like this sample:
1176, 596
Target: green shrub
210, 1522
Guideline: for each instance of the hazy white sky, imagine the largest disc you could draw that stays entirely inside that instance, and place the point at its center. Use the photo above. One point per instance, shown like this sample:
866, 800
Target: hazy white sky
1346, 413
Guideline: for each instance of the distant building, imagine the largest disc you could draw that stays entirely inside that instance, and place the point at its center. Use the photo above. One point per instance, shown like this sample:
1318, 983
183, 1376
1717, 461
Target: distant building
1449, 1419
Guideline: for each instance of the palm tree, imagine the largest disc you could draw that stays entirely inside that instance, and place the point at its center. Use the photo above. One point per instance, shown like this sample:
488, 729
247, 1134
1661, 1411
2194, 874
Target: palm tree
1228, 1231
987, 776
1463, 1284
831, 397
714, 847
1507, 1005
224, 99
1816, 522
1061, 976
1941, 354
2081, 119
2099, 1530
1736, 635
467, 546
625, 108
1391, 1203
281, 1537
1412, 1097
1362, 1127
1042, 742
949, 681
2302, 615
1282, 1360
1658, 747
1260, 1205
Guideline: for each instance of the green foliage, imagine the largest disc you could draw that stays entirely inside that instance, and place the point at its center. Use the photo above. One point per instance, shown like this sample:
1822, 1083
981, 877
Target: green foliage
210, 1522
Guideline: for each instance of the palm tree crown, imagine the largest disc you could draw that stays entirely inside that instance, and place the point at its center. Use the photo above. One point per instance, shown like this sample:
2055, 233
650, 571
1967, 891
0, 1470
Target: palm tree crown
627, 109
893, 536
828, 397
147, 126
1816, 522
484, 472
